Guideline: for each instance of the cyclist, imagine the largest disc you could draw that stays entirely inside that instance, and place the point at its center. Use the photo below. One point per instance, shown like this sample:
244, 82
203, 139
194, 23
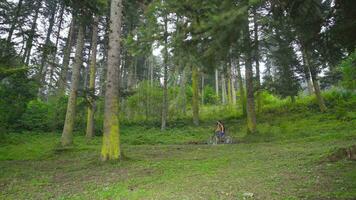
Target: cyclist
220, 129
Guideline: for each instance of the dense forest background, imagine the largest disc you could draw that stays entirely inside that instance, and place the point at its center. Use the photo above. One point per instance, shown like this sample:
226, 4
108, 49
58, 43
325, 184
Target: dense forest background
178, 59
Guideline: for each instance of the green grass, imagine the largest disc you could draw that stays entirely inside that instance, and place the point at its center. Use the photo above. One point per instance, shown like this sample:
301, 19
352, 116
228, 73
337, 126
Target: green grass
286, 159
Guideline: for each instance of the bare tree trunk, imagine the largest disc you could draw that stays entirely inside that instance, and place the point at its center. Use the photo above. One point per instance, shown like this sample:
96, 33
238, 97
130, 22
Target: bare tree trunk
62, 80
256, 58
202, 89
165, 77
307, 74
111, 137
241, 88
53, 64
216, 82
91, 98
233, 90
67, 134
195, 98
182, 88
29, 42
46, 49
314, 78
229, 89
14, 22
251, 114
223, 88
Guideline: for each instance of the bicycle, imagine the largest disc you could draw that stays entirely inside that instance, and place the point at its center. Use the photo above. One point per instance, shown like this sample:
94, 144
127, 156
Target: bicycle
217, 139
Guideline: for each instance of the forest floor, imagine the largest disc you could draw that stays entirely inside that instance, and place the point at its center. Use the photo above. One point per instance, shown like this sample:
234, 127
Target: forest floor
287, 159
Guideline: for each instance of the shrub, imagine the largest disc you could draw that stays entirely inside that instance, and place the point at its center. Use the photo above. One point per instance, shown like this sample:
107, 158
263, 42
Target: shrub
348, 68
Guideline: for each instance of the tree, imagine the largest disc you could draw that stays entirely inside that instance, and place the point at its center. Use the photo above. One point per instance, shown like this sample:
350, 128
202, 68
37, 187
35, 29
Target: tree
91, 97
111, 136
67, 134
251, 114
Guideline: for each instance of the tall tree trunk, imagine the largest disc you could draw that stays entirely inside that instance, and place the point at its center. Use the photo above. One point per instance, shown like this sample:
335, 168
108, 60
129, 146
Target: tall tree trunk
202, 89
29, 42
223, 88
314, 78
216, 82
195, 98
307, 74
229, 89
62, 80
182, 95
14, 22
53, 64
165, 77
241, 88
111, 138
257, 58
251, 114
91, 106
46, 48
233, 90
67, 134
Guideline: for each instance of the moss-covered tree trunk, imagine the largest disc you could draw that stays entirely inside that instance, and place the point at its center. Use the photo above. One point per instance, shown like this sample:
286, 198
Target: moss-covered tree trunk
67, 134
251, 113
111, 137
241, 88
62, 80
195, 98
91, 106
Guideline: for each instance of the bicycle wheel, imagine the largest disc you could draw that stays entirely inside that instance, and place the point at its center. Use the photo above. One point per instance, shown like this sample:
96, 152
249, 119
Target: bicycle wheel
228, 140
215, 140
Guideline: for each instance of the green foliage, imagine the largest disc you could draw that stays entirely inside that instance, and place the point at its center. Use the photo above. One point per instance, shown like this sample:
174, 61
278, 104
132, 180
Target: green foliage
210, 96
16, 88
348, 68
36, 116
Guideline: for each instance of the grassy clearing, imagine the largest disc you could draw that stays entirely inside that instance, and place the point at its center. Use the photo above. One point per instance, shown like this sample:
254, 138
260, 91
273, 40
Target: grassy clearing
283, 161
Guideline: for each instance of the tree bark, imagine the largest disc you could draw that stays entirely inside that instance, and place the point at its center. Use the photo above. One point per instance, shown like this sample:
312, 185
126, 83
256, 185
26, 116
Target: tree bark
217, 82
61, 13
314, 78
202, 89
29, 42
62, 80
67, 134
111, 137
241, 88
307, 74
42, 71
91, 98
165, 77
14, 22
251, 113
223, 88
195, 98
233, 90
256, 58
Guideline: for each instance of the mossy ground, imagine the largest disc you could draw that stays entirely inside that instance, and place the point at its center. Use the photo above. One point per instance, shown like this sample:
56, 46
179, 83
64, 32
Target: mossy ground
285, 160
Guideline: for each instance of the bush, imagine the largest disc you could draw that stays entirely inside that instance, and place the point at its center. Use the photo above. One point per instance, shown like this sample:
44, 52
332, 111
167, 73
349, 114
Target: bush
348, 68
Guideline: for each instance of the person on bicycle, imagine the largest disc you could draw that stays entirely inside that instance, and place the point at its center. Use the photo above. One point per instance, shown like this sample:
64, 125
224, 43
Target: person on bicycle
220, 129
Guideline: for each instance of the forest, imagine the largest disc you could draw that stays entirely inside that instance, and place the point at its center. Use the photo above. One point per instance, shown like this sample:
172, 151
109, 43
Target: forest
177, 99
